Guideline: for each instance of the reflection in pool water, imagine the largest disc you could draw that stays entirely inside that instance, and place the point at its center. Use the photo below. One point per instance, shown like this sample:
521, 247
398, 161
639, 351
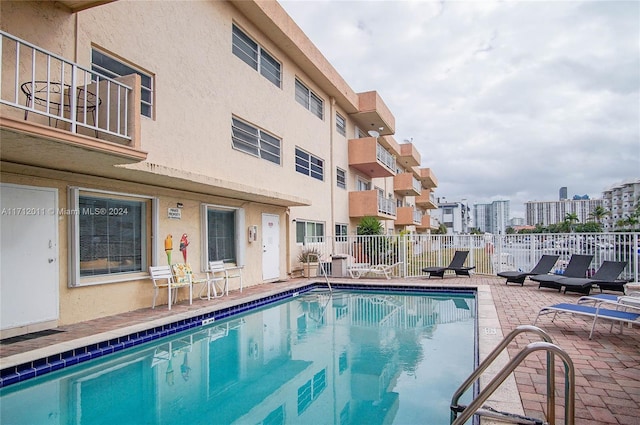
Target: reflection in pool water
346, 358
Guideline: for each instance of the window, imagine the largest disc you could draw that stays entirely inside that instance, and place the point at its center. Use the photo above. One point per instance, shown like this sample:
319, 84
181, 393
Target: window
255, 141
112, 68
309, 165
109, 235
255, 56
341, 179
362, 185
341, 232
341, 124
309, 229
222, 241
309, 99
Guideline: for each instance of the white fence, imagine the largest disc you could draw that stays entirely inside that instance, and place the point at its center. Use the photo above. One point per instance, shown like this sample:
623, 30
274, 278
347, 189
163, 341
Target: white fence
489, 254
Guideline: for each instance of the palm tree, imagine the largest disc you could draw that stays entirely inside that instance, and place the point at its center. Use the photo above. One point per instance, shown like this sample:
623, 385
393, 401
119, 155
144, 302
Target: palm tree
599, 213
571, 218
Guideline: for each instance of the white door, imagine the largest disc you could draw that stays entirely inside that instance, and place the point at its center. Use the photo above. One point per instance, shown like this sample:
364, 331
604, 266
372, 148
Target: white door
270, 246
28, 255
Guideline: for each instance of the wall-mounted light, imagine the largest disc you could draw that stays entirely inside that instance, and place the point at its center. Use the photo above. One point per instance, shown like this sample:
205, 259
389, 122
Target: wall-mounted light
179, 205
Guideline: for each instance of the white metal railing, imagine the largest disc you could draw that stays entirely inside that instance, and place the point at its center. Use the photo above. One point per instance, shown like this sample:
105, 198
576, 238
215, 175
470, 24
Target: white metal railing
40, 82
417, 216
385, 157
490, 254
417, 186
386, 205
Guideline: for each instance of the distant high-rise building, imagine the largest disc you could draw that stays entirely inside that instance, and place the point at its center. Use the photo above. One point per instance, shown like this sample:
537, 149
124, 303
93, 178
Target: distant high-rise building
620, 200
563, 193
553, 212
492, 218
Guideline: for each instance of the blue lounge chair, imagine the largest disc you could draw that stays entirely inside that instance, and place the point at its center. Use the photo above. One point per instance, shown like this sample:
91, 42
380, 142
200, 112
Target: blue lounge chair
456, 265
544, 266
619, 311
577, 267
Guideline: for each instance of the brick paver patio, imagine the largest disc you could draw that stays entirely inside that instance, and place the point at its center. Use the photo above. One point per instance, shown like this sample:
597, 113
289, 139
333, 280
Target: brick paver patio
607, 367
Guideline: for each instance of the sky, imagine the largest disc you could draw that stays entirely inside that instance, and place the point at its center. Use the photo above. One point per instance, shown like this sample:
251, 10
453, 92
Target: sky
504, 100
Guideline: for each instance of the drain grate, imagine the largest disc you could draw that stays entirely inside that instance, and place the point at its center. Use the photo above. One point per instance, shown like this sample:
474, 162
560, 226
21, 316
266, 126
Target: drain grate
28, 337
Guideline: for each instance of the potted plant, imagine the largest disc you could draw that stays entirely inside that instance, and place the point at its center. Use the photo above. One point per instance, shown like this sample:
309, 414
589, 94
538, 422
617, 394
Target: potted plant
309, 257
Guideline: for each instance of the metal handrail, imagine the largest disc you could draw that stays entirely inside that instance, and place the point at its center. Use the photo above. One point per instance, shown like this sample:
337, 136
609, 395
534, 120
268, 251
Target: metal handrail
546, 345
322, 269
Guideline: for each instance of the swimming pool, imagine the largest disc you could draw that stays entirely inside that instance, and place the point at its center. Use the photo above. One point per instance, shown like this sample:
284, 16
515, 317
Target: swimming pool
351, 357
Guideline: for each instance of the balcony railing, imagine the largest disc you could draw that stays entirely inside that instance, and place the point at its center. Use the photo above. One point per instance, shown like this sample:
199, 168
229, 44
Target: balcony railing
386, 205
43, 83
417, 185
417, 216
385, 157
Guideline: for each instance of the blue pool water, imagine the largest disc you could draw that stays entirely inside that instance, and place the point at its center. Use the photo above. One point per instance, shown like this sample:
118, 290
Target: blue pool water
347, 358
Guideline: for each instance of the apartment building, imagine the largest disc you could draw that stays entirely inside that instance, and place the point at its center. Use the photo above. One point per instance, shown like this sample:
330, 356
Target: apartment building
552, 212
620, 200
129, 128
493, 217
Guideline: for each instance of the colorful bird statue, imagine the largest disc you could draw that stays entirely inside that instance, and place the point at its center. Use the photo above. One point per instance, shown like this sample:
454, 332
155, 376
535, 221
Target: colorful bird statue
168, 247
184, 243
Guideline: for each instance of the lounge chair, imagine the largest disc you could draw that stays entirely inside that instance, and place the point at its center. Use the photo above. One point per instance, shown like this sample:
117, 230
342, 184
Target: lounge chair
621, 311
577, 267
596, 298
360, 269
456, 265
607, 273
544, 266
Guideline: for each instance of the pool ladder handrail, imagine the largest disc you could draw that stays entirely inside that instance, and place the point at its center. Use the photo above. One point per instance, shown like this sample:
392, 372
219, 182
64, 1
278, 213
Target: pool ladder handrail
546, 345
322, 269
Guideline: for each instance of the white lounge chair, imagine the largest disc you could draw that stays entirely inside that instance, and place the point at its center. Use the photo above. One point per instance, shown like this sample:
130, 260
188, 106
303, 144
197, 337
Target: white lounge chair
360, 269
356, 270
622, 310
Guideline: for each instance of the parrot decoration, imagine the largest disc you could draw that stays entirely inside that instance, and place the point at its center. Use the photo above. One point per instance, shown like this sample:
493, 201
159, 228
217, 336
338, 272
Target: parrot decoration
168, 247
184, 243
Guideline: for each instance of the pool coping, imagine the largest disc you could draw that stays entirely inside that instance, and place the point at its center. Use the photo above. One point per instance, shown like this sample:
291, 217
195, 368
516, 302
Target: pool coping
24, 366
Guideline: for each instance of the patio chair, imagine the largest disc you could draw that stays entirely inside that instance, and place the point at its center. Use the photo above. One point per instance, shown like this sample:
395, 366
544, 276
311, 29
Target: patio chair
544, 266
623, 310
163, 278
456, 265
577, 267
607, 273
215, 273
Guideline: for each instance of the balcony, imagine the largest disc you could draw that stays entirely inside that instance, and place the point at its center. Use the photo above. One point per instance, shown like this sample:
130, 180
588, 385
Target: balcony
408, 216
426, 223
426, 200
409, 155
371, 158
55, 113
371, 203
428, 178
373, 114
406, 184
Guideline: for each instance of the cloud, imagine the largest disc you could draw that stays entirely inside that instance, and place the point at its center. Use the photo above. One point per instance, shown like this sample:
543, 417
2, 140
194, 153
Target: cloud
504, 100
